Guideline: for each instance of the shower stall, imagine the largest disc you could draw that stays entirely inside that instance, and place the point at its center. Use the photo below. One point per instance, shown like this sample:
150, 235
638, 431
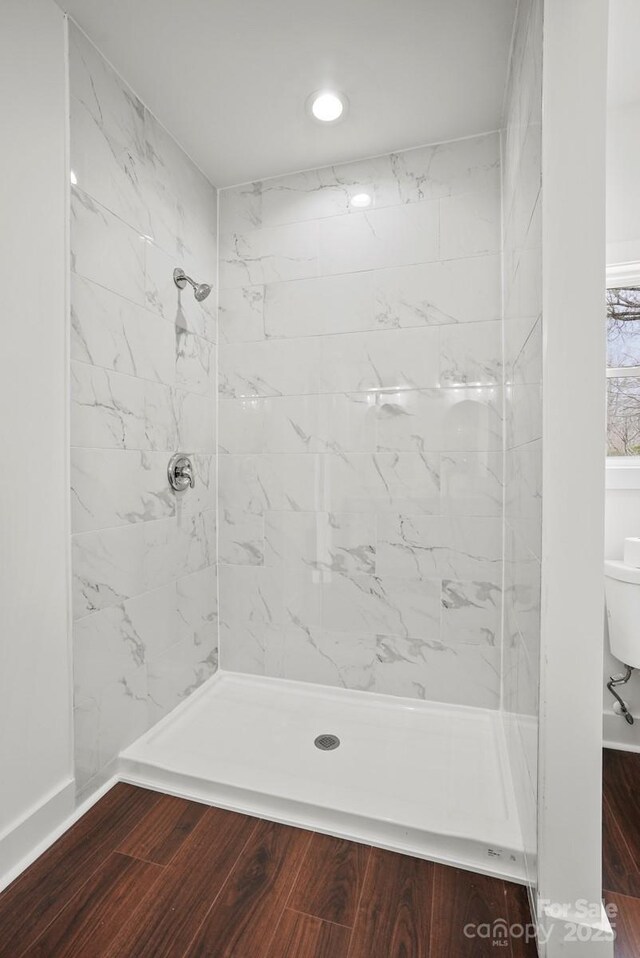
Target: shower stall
306, 487
372, 387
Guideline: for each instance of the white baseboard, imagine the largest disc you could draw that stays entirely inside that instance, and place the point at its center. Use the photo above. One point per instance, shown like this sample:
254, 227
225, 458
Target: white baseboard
39, 828
20, 843
617, 733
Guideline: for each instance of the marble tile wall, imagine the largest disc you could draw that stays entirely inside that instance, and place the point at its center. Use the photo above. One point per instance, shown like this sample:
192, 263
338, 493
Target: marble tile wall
361, 425
521, 167
143, 385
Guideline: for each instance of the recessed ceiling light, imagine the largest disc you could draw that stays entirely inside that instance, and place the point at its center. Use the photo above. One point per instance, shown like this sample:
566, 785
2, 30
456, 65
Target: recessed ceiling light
361, 200
327, 106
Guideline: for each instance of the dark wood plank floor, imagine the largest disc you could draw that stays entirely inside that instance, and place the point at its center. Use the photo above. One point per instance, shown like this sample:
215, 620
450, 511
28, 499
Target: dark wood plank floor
621, 847
144, 874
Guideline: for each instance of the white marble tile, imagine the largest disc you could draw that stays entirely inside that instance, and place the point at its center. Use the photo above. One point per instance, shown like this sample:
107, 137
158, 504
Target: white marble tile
472, 483
466, 419
107, 409
465, 548
112, 643
195, 546
268, 255
360, 483
106, 169
471, 613
319, 305
344, 659
112, 487
241, 538
471, 354
334, 542
330, 364
452, 291
381, 238
464, 674
382, 482
523, 351
113, 411
259, 483
179, 307
111, 565
523, 492
106, 649
406, 177
241, 314
203, 495
173, 676
110, 331
195, 363
115, 110
383, 604
106, 721
293, 424
197, 605
106, 250
255, 600
195, 418
470, 224
523, 413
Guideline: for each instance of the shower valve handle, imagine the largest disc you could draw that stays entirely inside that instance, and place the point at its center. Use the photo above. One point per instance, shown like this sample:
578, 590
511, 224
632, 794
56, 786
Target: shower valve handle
180, 473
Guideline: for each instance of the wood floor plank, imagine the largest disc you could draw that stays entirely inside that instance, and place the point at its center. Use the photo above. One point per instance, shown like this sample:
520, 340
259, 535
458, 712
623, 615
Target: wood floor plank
242, 922
165, 922
330, 880
621, 777
620, 870
35, 898
626, 925
301, 936
394, 913
462, 901
522, 935
91, 920
159, 836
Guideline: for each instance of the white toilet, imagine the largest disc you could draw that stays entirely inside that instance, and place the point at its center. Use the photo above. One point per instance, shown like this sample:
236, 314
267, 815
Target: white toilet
622, 591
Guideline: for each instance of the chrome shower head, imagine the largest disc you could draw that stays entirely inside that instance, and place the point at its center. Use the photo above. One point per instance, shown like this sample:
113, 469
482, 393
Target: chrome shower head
200, 290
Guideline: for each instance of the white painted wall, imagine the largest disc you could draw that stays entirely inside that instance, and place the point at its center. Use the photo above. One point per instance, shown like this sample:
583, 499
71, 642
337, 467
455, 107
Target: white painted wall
623, 179
573, 164
622, 506
35, 671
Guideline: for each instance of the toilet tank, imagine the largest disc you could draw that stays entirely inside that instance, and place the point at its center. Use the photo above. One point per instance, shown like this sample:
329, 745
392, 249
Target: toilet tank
622, 592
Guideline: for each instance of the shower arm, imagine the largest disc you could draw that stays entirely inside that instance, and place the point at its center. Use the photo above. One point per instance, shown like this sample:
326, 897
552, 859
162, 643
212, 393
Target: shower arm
181, 279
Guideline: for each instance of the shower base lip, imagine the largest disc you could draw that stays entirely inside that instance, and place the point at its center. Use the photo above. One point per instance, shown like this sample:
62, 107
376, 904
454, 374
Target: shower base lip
246, 743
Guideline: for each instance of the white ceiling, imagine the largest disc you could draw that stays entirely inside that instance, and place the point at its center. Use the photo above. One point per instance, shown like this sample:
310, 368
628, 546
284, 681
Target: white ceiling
624, 62
229, 78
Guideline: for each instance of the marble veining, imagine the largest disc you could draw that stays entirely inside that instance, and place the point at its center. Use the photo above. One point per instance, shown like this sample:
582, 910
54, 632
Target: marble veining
522, 204
143, 384
361, 425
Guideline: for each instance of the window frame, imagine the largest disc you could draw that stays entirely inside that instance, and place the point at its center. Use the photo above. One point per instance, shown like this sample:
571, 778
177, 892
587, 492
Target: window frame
623, 472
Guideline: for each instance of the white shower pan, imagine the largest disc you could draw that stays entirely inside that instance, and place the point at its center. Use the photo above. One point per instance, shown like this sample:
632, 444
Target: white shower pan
424, 779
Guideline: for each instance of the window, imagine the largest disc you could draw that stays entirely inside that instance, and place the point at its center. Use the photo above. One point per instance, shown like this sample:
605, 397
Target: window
623, 371
623, 376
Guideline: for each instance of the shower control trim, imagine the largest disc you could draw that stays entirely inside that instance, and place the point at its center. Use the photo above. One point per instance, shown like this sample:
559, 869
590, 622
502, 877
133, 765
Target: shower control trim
180, 472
